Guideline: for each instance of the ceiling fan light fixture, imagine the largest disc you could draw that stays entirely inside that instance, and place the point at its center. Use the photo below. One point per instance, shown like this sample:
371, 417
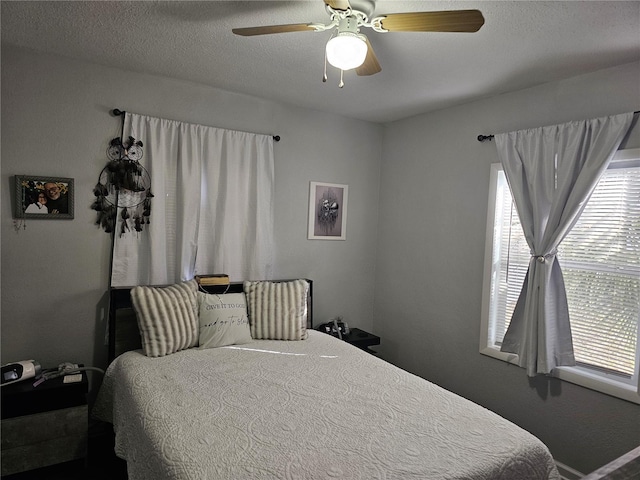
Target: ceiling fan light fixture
347, 50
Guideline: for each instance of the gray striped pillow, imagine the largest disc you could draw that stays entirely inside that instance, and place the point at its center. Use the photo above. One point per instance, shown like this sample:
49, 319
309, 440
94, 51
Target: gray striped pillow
277, 310
167, 317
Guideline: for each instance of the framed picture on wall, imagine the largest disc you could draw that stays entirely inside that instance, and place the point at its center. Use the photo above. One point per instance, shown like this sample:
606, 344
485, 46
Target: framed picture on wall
43, 197
328, 211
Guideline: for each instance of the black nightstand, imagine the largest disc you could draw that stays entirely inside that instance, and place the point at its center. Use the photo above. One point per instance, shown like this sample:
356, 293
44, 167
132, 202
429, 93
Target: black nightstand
361, 339
43, 425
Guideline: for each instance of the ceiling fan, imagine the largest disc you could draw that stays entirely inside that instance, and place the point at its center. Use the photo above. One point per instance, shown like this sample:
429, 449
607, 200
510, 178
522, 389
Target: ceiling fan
348, 48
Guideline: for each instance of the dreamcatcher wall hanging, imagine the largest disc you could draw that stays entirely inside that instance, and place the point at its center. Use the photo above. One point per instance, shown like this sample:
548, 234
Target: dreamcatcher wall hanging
123, 184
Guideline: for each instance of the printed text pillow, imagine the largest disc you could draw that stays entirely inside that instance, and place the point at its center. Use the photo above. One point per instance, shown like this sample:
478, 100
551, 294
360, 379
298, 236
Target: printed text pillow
223, 320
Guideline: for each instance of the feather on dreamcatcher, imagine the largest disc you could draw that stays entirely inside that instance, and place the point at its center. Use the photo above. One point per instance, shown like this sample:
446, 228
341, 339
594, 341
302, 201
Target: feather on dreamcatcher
124, 183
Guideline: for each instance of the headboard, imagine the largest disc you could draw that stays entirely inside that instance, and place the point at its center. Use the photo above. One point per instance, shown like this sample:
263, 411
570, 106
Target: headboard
123, 326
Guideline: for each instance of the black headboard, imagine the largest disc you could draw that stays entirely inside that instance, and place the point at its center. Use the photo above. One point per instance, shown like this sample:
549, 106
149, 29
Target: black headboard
123, 326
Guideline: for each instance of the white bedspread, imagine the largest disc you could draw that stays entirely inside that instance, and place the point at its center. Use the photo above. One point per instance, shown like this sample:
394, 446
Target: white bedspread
313, 409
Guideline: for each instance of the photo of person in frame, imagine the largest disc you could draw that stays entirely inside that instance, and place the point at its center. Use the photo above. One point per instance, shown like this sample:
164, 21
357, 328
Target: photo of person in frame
44, 197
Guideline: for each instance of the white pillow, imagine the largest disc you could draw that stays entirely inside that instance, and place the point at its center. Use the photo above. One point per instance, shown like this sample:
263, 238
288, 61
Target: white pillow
277, 310
167, 317
223, 320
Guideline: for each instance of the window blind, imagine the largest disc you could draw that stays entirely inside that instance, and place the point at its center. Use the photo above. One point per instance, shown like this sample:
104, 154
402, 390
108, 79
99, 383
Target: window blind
601, 266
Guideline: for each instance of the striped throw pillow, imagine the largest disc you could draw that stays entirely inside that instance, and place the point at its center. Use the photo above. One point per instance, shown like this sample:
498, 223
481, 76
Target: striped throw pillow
277, 310
167, 317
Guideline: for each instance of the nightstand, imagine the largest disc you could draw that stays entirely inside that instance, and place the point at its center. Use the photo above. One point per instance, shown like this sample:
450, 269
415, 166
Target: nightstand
361, 339
43, 425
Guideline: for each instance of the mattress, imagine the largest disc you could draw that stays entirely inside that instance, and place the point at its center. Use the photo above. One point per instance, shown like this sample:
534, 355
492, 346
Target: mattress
313, 409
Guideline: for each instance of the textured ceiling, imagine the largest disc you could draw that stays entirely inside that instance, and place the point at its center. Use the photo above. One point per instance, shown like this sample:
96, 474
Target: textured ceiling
521, 44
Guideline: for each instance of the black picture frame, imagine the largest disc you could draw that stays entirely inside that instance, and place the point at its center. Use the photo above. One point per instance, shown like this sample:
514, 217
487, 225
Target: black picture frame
36, 198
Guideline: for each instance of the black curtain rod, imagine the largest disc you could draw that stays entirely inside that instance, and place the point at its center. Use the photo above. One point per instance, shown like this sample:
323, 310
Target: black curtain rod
117, 113
482, 138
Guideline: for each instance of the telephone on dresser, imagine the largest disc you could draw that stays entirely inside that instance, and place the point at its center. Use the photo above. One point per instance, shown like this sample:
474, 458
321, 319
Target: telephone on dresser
335, 327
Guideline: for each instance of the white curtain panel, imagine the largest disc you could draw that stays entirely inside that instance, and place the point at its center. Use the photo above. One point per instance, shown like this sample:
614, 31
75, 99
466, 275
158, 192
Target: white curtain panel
551, 172
212, 210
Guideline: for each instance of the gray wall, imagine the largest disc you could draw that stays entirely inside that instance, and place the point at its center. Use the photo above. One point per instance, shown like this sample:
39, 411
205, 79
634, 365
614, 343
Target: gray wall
55, 122
433, 209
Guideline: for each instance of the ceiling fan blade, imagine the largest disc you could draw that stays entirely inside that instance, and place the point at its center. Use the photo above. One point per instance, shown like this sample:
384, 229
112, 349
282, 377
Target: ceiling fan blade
269, 29
371, 65
444, 21
338, 4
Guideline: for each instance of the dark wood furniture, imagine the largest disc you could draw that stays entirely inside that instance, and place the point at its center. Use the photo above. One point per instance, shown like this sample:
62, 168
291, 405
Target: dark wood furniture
43, 425
362, 339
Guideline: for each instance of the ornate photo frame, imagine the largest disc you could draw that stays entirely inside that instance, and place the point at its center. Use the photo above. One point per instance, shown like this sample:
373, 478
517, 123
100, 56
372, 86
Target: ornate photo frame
327, 211
42, 197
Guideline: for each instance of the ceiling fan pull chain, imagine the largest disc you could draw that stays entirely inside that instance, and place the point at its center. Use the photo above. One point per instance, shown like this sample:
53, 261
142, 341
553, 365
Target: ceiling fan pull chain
341, 84
324, 75
324, 78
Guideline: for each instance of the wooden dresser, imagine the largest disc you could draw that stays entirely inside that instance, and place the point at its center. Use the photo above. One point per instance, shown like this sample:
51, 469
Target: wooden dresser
43, 425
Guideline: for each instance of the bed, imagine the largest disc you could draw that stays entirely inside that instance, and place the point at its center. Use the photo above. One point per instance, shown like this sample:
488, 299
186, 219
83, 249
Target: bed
317, 408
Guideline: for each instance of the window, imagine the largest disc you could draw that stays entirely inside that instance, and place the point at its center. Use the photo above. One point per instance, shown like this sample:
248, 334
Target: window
600, 260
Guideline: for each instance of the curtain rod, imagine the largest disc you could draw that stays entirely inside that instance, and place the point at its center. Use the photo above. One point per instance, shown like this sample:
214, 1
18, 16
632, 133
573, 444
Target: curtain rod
117, 113
482, 138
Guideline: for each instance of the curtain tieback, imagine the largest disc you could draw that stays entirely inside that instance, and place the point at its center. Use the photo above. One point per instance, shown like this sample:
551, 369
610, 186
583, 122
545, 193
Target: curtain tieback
544, 258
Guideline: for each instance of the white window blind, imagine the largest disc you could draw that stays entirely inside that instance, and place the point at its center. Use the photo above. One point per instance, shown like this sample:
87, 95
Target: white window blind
601, 265
600, 260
